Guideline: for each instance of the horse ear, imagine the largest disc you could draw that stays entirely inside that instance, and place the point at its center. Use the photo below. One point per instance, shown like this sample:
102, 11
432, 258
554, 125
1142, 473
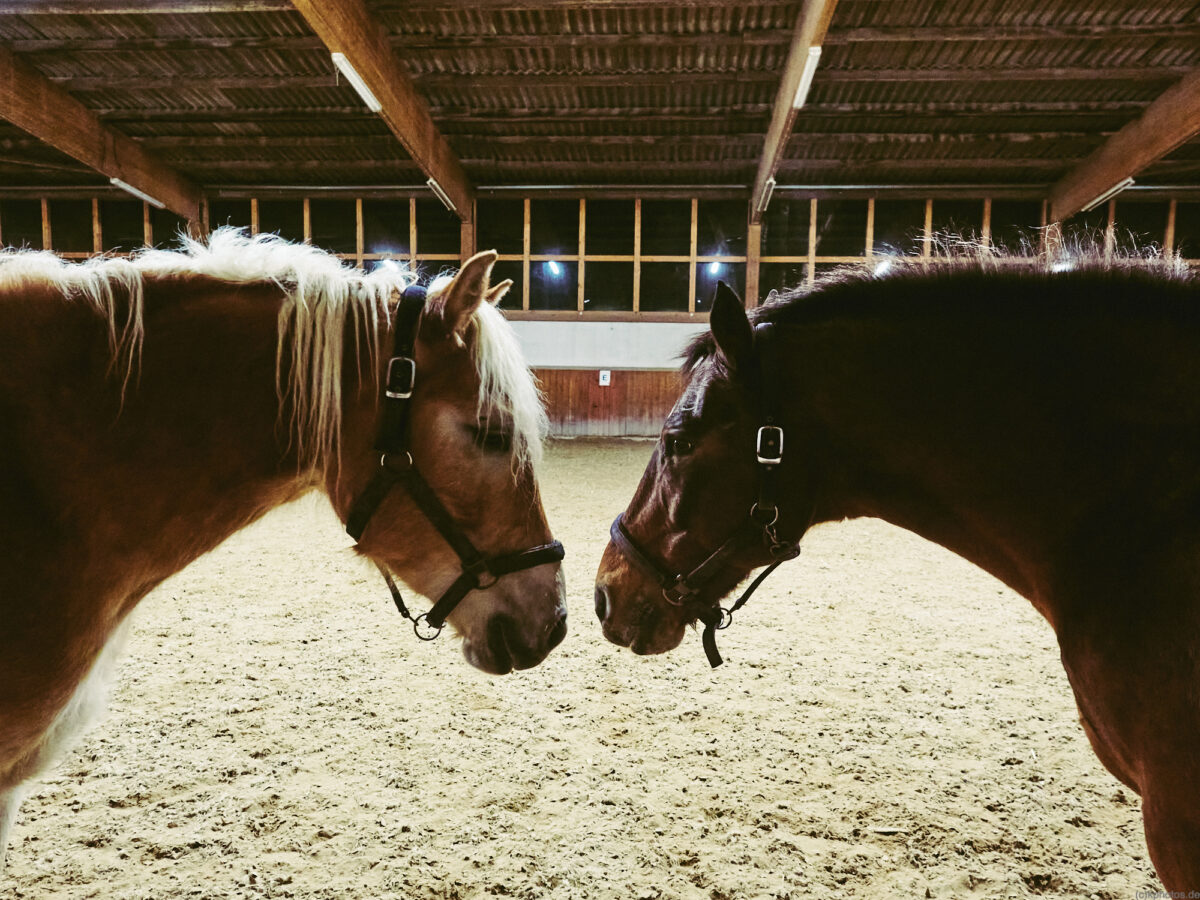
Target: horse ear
496, 294
731, 328
462, 296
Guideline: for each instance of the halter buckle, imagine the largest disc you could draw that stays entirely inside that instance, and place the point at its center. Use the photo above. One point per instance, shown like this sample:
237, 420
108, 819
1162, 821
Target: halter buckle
678, 592
401, 377
478, 570
769, 447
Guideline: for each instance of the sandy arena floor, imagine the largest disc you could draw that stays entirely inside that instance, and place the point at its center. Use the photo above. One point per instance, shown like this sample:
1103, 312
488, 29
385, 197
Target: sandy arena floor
890, 723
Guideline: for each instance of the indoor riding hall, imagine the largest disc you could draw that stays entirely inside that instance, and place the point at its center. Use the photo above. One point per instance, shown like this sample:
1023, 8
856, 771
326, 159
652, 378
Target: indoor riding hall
890, 720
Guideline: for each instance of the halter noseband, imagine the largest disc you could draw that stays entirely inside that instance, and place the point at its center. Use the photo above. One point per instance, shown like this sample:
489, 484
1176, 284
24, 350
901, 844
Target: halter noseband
683, 588
396, 467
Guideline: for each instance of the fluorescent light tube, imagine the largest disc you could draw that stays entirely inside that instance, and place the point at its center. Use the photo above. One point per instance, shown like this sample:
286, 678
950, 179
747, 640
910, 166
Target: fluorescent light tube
141, 195
1108, 195
806, 78
765, 197
441, 195
352, 76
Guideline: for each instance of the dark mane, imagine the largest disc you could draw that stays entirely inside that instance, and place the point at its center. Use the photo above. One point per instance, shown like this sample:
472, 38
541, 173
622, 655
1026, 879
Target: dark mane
980, 286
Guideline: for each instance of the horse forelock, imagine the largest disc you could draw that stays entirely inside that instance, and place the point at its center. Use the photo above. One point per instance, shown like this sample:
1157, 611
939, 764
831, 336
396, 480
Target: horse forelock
507, 389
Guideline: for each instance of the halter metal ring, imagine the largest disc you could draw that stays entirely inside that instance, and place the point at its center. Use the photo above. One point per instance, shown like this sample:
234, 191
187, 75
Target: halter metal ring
725, 620
408, 460
429, 634
774, 518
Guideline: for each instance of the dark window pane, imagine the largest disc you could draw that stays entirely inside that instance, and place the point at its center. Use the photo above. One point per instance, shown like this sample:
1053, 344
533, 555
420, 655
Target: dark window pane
955, 220
899, 226
333, 225
1140, 225
21, 223
1187, 230
121, 225
721, 228
707, 276
385, 226
500, 225
553, 285
228, 212
780, 277
166, 226
509, 268
1015, 225
71, 226
608, 286
666, 227
1085, 230
841, 227
282, 217
664, 287
554, 226
610, 227
438, 229
785, 228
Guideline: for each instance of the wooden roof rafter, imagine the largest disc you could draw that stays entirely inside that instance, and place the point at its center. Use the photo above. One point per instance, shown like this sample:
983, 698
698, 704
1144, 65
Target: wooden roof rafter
805, 50
38, 106
1169, 121
348, 28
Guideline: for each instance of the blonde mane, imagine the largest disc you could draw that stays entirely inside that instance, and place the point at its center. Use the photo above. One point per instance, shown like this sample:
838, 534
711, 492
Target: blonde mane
322, 296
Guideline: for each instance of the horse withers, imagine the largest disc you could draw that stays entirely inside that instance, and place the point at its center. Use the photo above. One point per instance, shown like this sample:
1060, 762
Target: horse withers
151, 407
1044, 425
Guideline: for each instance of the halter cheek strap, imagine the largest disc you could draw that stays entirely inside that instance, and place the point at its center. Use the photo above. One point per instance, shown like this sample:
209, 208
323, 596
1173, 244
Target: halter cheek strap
682, 589
396, 468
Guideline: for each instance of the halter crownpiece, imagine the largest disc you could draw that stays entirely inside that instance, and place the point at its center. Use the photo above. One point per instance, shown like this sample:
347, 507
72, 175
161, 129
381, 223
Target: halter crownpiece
396, 468
682, 588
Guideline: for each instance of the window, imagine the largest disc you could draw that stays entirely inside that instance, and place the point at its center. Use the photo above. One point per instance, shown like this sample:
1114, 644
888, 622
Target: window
610, 228
334, 226
1140, 225
122, 225
21, 223
899, 226
385, 227
166, 227
666, 227
500, 225
1015, 224
228, 212
506, 268
841, 227
955, 220
781, 277
553, 285
1187, 230
438, 229
708, 274
721, 228
554, 227
664, 287
1085, 230
608, 286
282, 217
785, 227
71, 226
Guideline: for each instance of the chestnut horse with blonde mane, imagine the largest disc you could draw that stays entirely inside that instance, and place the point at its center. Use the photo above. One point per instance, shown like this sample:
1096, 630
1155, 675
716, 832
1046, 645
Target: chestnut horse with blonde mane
151, 407
1043, 424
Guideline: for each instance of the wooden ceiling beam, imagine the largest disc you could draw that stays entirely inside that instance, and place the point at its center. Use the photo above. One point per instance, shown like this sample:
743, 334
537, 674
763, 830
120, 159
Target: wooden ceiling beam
1172, 119
942, 34
347, 27
810, 31
36, 105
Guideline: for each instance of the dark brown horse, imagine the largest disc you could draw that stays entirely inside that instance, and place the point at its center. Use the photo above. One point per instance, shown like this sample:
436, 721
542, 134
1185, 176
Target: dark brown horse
1043, 425
151, 407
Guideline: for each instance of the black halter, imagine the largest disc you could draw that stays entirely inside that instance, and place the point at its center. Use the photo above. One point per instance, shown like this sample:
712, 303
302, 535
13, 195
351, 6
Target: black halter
396, 467
682, 588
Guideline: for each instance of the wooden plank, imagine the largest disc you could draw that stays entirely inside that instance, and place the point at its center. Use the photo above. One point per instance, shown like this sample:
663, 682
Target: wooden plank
1172, 119
31, 102
634, 404
811, 26
347, 27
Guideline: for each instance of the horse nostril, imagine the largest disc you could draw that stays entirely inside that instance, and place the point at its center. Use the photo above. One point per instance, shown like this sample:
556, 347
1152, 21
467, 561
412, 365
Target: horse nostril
601, 603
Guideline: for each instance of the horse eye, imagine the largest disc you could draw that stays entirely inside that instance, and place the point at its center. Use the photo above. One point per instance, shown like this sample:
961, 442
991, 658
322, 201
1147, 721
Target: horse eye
677, 446
493, 441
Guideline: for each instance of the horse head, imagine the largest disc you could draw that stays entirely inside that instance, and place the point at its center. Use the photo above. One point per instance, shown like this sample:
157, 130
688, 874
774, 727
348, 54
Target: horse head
472, 429
704, 514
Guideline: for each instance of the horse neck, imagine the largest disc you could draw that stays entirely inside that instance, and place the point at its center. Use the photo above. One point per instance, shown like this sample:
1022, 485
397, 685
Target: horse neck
991, 438
195, 449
